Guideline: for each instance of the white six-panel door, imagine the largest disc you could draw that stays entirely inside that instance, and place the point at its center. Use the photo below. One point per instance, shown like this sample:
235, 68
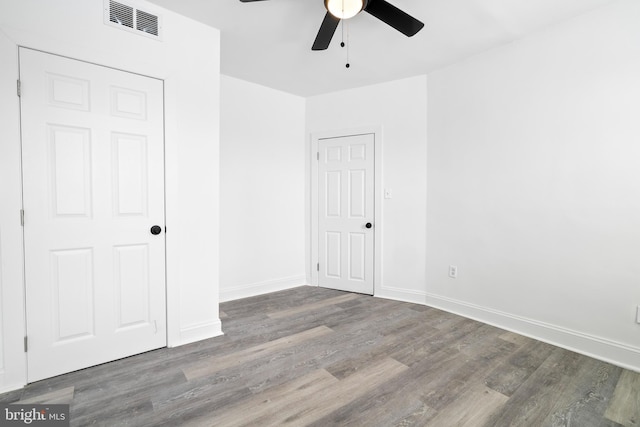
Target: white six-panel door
93, 177
346, 213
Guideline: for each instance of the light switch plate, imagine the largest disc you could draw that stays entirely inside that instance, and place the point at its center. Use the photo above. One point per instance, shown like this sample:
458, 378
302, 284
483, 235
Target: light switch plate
453, 271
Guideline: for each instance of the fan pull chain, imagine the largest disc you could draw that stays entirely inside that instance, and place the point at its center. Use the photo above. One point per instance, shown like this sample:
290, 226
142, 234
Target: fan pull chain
342, 43
348, 64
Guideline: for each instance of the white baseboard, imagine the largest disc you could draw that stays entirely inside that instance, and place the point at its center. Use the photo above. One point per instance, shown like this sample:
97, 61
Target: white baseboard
613, 352
13, 387
400, 294
199, 332
619, 354
253, 289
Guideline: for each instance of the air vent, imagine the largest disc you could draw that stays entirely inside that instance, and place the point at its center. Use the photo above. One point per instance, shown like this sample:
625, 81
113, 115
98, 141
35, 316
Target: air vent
121, 14
147, 23
129, 18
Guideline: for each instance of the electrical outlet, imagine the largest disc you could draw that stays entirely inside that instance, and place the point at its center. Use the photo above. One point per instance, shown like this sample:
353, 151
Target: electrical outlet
453, 271
387, 193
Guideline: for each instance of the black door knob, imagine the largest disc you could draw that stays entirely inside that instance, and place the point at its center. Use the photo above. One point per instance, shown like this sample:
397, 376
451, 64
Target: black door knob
368, 225
156, 229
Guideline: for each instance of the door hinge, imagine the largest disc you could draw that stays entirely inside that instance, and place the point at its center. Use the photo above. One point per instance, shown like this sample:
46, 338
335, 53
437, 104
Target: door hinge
22, 217
19, 87
318, 155
26, 346
318, 267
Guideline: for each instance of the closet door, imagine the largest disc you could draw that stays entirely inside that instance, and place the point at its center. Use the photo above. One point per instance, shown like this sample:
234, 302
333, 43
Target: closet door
93, 182
346, 213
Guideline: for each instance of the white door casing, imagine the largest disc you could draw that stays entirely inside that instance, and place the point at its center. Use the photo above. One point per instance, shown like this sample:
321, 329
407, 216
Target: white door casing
93, 183
346, 215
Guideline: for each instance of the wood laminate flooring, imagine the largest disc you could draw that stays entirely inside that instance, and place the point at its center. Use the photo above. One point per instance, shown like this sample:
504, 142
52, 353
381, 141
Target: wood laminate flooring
317, 357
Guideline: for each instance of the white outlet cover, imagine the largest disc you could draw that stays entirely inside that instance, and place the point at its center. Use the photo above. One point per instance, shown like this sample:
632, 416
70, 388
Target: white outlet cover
387, 193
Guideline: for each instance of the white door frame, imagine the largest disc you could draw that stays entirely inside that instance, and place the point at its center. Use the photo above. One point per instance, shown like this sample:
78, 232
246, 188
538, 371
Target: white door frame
378, 191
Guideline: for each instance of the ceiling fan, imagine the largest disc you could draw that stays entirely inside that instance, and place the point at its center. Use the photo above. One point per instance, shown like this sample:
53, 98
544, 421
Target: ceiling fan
346, 9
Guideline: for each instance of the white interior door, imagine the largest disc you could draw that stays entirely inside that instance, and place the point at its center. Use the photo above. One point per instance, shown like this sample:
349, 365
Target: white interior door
93, 177
346, 224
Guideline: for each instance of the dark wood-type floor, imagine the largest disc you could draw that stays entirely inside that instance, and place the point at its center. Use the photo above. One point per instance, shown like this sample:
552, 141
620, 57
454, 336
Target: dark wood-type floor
312, 356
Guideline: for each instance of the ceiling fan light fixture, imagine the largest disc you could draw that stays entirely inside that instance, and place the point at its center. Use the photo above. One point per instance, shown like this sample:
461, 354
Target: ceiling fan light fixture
344, 9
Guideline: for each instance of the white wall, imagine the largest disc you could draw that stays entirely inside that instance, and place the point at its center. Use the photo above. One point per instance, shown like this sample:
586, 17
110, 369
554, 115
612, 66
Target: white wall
400, 108
262, 184
12, 369
534, 185
188, 61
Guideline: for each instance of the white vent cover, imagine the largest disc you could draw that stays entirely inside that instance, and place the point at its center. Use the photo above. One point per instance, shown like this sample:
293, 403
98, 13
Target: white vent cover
128, 17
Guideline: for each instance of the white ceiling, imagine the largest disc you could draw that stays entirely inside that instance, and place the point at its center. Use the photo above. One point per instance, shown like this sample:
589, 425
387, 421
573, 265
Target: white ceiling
269, 42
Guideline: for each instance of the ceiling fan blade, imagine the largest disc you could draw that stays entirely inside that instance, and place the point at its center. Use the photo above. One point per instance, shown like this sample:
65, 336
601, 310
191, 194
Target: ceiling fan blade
325, 34
391, 15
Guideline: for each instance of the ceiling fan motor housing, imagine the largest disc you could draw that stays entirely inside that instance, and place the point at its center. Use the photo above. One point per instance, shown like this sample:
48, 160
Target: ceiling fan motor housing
345, 9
